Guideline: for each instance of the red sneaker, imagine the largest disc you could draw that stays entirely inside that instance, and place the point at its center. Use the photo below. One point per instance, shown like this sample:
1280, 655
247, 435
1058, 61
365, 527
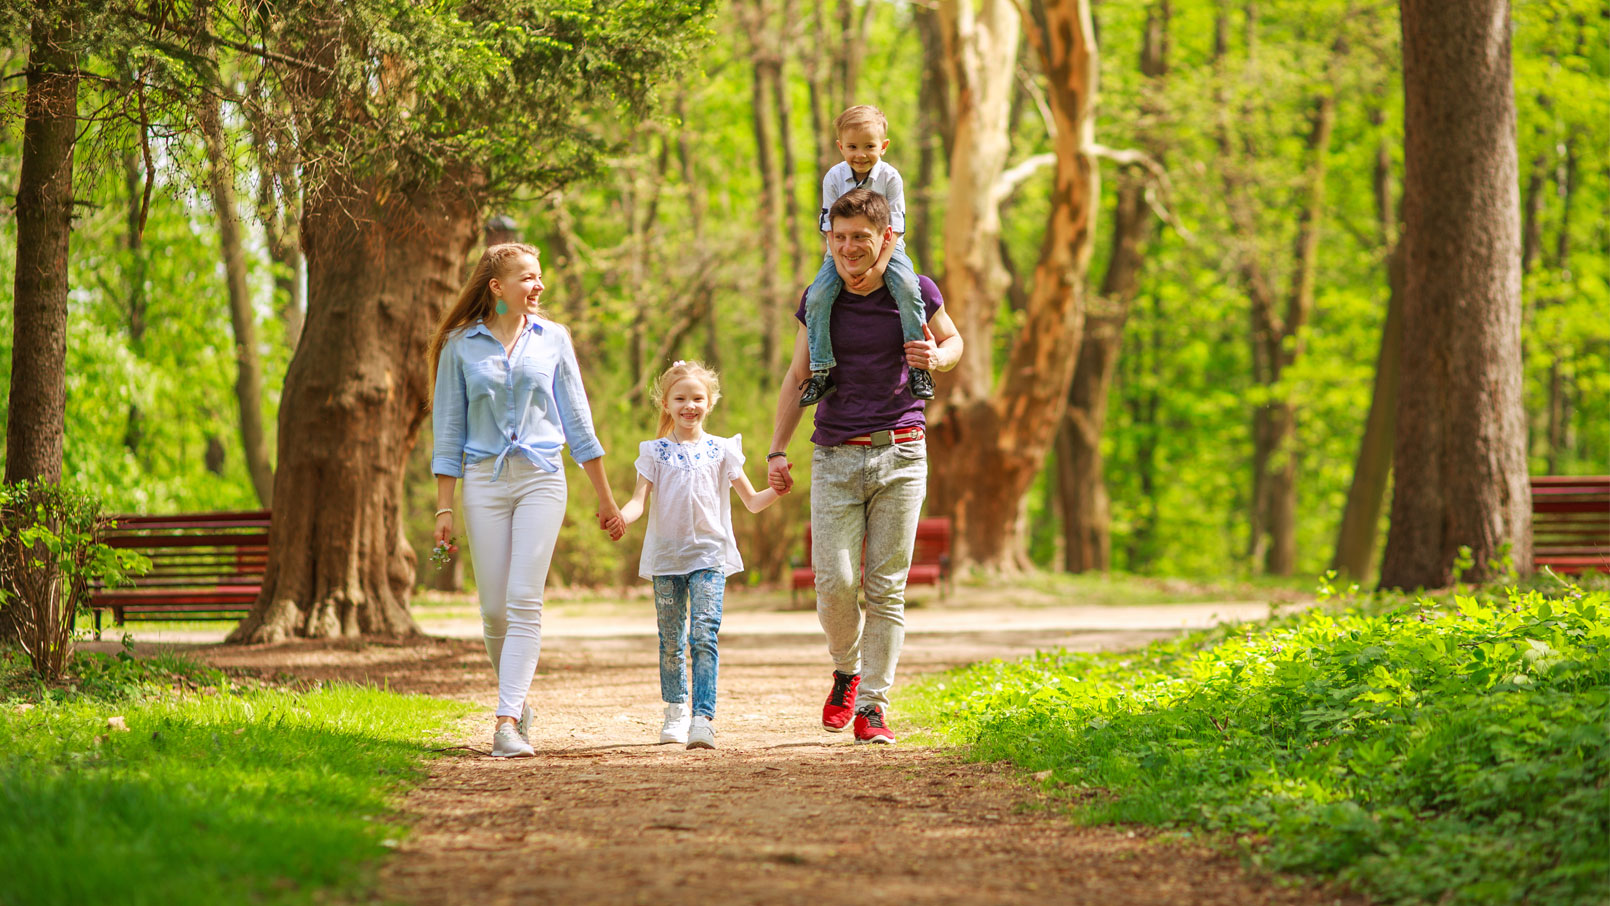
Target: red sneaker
840, 702
869, 726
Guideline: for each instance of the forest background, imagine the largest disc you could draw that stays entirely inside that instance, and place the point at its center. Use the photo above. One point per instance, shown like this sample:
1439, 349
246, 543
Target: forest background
699, 235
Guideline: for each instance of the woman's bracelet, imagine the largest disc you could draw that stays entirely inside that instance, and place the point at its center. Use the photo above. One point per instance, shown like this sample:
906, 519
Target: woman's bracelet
445, 509
772, 456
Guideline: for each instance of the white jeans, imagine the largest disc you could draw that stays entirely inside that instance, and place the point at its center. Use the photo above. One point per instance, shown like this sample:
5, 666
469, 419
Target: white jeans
513, 523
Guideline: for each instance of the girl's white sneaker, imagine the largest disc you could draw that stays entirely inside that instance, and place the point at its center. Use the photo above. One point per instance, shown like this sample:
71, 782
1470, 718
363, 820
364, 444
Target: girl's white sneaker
506, 743
701, 735
676, 723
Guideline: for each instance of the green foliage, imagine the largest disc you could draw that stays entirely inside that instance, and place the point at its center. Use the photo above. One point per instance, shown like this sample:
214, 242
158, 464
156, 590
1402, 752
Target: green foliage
212, 794
1424, 751
663, 222
50, 554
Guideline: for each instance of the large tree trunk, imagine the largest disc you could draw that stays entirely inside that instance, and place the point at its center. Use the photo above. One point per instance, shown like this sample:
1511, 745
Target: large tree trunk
1081, 487
248, 361
996, 443
37, 408
1460, 455
383, 263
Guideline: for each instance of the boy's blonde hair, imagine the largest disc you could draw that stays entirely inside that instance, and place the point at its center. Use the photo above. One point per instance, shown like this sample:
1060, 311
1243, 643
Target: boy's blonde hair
861, 115
682, 369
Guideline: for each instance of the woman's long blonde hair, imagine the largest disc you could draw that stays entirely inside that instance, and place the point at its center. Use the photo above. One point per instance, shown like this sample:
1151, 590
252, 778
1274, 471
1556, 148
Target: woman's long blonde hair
679, 370
475, 300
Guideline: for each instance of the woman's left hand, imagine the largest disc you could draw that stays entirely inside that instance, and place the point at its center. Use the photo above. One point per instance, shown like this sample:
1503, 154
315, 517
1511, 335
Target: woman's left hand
609, 519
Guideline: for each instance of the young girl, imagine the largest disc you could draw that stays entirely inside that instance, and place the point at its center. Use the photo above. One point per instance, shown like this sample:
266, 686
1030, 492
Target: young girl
689, 551
508, 396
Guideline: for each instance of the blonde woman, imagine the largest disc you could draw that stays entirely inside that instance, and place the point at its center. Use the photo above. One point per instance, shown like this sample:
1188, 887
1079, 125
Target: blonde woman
508, 397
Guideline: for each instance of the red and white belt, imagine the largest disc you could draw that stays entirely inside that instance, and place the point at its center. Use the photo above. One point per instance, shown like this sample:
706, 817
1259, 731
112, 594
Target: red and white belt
885, 438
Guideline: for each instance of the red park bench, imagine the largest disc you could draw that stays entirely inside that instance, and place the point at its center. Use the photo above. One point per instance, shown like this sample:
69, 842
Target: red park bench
1571, 523
930, 558
204, 566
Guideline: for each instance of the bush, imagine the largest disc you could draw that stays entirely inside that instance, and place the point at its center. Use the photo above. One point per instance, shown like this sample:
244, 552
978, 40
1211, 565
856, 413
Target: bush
1424, 752
50, 553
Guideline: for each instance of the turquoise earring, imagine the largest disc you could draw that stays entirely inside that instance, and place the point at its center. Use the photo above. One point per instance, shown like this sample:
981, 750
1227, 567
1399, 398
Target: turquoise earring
503, 309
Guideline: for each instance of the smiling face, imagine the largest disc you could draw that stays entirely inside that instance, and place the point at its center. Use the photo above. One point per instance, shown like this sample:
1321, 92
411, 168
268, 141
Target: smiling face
856, 244
521, 286
687, 402
863, 145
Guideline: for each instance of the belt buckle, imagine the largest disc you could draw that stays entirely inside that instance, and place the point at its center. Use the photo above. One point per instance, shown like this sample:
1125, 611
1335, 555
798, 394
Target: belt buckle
882, 438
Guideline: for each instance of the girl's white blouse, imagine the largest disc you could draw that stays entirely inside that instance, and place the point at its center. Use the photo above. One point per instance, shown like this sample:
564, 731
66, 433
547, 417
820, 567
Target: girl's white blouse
690, 510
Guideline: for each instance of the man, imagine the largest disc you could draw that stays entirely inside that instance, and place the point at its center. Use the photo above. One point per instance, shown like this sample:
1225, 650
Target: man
869, 471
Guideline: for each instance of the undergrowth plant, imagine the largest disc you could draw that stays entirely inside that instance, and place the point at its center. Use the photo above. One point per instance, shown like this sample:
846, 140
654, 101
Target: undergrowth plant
1425, 751
50, 555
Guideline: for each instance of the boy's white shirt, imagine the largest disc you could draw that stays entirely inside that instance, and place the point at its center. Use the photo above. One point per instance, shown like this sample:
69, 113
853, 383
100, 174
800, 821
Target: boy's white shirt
884, 180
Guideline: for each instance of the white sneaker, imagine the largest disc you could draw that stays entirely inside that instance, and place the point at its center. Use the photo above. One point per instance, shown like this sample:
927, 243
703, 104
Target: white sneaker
506, 743
676, 723
523, 725
701, 735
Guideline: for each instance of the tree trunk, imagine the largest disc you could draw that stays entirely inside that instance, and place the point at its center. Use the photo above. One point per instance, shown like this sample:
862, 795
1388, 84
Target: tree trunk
1081, 486
37, 408
998, 442
1460, 453
248, 360
933, 134
1361, 518
383, 263
754, 17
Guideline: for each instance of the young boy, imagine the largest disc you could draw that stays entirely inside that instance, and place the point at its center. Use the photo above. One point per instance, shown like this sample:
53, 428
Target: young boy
863, 137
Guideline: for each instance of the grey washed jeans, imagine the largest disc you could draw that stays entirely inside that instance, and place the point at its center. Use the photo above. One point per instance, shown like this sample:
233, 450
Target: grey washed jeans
875, 494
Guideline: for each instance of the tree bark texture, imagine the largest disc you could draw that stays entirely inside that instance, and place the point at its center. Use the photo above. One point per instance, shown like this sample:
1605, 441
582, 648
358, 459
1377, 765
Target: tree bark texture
248, 359
1460, 453
37, 407
998, 442
383, 263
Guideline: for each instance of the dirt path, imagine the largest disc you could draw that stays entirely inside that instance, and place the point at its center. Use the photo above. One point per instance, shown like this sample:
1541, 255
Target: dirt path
780, 813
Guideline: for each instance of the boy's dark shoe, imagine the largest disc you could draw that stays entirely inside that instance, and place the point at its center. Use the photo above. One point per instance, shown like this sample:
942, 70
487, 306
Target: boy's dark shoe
819, 386
921, 384
870, 727
840, 704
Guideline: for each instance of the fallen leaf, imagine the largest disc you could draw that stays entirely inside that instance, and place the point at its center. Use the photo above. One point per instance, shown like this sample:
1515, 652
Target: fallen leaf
118, 724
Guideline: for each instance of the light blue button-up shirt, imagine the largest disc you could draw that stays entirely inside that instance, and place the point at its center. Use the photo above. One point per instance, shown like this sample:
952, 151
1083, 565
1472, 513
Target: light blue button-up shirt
490, 404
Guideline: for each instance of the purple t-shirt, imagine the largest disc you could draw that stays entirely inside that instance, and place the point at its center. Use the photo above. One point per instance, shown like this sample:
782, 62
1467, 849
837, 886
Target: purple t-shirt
872, 372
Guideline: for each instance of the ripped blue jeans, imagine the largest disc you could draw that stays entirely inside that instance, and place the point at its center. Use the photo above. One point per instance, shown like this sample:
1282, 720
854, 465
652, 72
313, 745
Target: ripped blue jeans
678, 602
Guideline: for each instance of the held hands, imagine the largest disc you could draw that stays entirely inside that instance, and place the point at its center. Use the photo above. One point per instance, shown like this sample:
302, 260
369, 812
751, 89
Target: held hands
923, 353
609, 519
778, 475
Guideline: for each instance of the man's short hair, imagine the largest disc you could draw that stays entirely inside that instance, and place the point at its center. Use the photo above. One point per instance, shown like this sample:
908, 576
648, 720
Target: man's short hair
861, 203
861, 115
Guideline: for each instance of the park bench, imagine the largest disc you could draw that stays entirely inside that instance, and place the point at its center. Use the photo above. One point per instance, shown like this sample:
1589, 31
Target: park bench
204, 566
930, 558
1571, 523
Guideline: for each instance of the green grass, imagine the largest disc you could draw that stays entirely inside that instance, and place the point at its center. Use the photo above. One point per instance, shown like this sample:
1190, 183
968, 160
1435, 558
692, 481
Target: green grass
1423, 752
213, 794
